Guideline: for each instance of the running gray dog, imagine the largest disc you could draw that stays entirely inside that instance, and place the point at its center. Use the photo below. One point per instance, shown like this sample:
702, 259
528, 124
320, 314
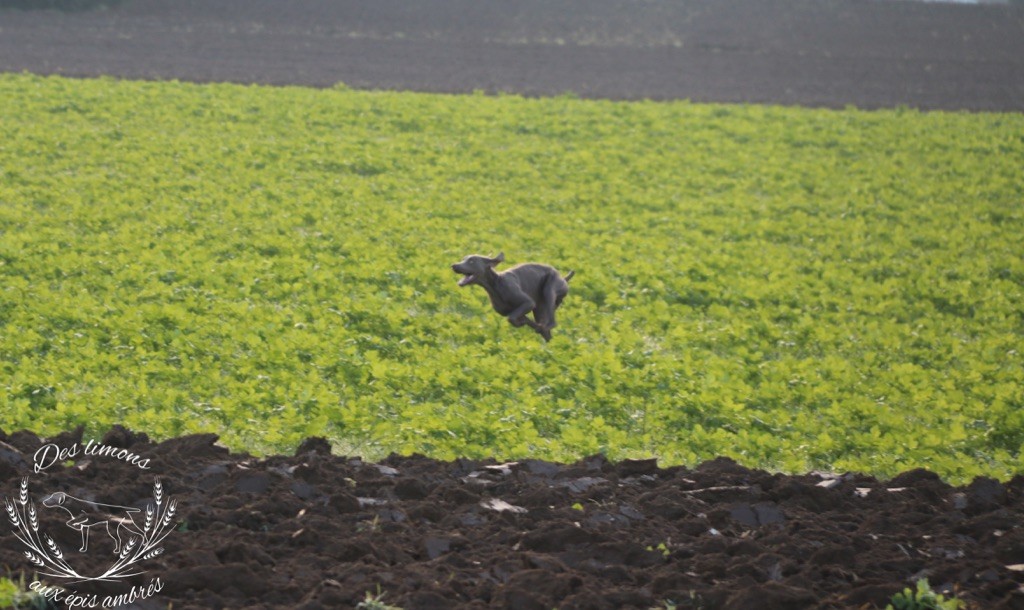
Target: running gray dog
518, 290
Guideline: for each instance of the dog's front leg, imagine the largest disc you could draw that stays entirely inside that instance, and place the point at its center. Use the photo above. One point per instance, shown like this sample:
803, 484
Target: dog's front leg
518, 316
85, 539
523, 320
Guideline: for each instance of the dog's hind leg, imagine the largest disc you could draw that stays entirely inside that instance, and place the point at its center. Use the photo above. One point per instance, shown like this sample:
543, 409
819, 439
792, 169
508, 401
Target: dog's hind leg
85, 539
115, 535
518, 315
544, 313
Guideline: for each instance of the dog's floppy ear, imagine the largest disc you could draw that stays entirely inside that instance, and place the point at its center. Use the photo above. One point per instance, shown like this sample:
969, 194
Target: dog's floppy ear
497, 259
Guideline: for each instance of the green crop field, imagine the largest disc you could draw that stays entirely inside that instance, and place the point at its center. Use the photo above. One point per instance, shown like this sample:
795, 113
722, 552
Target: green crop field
794, 288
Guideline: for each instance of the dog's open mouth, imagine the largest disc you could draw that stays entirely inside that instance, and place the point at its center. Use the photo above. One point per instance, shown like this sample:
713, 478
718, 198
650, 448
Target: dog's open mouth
467, 276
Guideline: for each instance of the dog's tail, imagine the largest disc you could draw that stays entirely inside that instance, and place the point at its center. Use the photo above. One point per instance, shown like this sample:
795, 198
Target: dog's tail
568, 276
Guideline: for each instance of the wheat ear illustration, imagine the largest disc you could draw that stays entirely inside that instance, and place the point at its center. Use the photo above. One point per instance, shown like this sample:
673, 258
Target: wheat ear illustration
43, 552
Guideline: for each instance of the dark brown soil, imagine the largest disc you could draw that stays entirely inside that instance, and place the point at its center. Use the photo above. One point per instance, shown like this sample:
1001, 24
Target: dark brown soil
809, 52
319, 531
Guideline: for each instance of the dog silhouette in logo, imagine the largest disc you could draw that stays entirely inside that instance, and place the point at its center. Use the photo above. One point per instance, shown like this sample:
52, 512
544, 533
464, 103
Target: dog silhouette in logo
86, 515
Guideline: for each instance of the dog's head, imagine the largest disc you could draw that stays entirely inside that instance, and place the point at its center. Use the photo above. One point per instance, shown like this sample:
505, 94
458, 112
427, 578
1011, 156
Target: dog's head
55, 499
474, 266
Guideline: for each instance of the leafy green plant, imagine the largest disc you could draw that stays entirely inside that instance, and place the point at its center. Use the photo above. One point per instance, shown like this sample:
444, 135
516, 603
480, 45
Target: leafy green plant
9, 593
375, 602
663, 548
797, 289
922, 598
17, 596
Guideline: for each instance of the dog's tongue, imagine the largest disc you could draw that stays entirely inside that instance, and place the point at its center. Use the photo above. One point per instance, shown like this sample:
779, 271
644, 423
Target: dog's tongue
466, 279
